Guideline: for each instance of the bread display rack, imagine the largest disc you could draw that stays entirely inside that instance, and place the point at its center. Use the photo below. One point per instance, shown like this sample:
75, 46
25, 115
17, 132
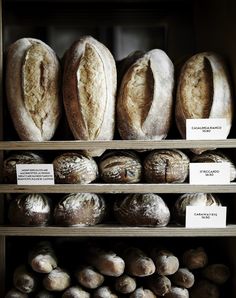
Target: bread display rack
217, 21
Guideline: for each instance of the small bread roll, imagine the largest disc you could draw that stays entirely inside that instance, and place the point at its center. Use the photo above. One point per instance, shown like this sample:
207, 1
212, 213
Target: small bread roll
57, 280
204, 289
176, 292
183, 278
13, 293
137, 263
142, 210
104, 292
33, 89
195, 258
217, 273
75, 168
30, 210
145, 98
159, 284
125, 284
9, 164
166, 166
45, 294
142, 293
78, 209
165, 261
88, 277
75, 292
42, 258
192, 199
120, 167
24, 280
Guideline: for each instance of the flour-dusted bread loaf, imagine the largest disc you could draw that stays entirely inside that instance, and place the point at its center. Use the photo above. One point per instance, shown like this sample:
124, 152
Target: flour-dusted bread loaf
144, 104
142, 293
183, 278
192, 199
166, 166
166, 262
33, 89
125, 284
142, 210
89, 89
195, 258
30, 210
80, 209
57, 280
75, 292
9, 164
88, 277
104, 292
204, 91
13, 293
24, 280
120, 167
42, 257
73, 167
159, 284
176, 292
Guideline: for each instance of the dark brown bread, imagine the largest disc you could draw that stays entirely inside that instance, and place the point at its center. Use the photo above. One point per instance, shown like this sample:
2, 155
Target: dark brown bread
159, 284
125, 284
204, 289
45, 294
195, 258
24, 280
13, 293
217, 273
57, 280
142, 293
88, 277
183, 278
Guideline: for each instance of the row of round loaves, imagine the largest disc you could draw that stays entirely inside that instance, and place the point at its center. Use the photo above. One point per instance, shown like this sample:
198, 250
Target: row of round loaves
143, 102
90, 209
158, 166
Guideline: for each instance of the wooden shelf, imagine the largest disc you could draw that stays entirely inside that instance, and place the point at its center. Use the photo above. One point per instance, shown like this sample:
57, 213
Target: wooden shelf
118, 188
117, 231
116, 144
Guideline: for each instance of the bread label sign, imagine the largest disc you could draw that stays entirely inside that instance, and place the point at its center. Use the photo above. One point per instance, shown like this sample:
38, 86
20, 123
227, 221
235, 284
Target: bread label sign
206, 129
209, 173
205, 217
35, 174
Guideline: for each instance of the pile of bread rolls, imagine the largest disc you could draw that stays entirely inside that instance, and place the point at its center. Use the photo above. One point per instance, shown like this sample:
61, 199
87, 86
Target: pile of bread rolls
141, 107
121, 271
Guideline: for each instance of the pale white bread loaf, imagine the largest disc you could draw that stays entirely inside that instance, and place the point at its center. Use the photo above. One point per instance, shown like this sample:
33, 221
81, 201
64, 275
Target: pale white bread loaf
145, 99
89, 88
57, 280
32, 89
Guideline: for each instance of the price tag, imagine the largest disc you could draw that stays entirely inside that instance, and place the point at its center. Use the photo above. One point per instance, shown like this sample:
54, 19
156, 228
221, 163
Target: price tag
209, 173
206, 129
35, 174
206, 217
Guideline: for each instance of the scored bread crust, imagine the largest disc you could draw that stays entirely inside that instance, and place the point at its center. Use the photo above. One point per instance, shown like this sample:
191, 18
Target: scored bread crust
32, 89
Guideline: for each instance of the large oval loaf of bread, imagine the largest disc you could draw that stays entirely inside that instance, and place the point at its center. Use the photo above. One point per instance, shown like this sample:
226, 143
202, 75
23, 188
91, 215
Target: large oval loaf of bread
89, 88
145, 98
204, 91
32, 89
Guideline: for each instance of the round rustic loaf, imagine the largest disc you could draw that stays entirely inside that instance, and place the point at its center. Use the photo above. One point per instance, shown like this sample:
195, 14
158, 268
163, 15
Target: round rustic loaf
183, 278
165, 261
75, 168
75, 292
120, 167
125, 284
166, 166
45, 294
33, 89
192, 199
159, 284
57, 280
30, 210
13, 293
24, 280
142, 293
217, 273
80, 209
88, 277
104, 292
205, 289
142, 210
9, 164
176, 292
195, 258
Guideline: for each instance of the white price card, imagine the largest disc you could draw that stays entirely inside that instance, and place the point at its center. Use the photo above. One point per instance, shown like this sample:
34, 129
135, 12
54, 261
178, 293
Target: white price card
206, 129
209, 173
206, 217
35, 174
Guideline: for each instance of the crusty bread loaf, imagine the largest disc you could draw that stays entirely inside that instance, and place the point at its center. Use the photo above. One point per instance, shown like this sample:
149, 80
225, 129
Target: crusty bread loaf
204, 91
183, 278
159, 284
125, 284
73, 167
195, 258
142, 293
24, 280
176, 292
57, 280
217, 273
104, 292
32, 88
88, 277
75, 292
144, 102
30, 210
45, 294
205, 289
13, 293
166, 262
89, 88
142, 210
80, 209
166, 166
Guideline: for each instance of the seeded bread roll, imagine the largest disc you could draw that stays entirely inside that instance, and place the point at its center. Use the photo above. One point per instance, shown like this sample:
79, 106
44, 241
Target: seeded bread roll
24, 280
75, 292
144, 102
166, 166
142, 293
195, 258
165, 261
120, 167
57, 280
13, 293
89, 89
176, 292
204, 91
74, 168
80, 209
159, 284
142, 210
30, 210
33, 89
104, 292
88, 277
9, 164
183, 278
45, 294
192, 199
217, 273
125, 284
204, 289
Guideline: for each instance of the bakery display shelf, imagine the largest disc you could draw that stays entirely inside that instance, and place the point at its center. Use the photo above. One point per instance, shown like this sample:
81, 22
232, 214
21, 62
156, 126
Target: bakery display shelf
117, 144
118, 188
118, 231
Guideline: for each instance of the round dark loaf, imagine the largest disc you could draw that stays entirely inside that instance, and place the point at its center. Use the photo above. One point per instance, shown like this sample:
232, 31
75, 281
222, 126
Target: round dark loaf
24, 280
30, 210
45, 294
13, 293
195, 258
205, 289
166, 166
120, 167
80, 209
142, 210
75, 168
142, 293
